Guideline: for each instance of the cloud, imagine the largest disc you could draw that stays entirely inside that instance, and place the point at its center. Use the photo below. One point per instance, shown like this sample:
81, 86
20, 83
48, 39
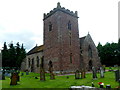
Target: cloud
26, 37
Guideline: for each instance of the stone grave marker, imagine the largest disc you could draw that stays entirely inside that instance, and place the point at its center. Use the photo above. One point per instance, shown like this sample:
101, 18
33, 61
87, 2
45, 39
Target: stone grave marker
117, 75
42, 71
52, 76
14, 79
77, 74
101, 72
82, 73
94, 73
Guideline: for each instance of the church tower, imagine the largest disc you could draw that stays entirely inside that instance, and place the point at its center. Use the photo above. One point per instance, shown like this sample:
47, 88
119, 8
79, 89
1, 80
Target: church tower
61, 39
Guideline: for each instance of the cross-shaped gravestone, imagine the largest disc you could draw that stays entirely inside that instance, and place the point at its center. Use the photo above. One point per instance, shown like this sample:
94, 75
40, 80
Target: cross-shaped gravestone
77, 74
52, 76
101, 72
94, 73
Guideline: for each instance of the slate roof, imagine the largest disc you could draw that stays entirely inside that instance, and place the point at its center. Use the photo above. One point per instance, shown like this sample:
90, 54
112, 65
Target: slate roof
36, 49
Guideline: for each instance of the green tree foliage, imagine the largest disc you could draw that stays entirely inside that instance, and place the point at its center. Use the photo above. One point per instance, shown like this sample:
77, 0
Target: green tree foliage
13, 56
109, 53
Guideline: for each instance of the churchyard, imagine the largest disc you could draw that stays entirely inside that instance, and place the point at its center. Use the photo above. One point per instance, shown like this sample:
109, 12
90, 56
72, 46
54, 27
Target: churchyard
32, 80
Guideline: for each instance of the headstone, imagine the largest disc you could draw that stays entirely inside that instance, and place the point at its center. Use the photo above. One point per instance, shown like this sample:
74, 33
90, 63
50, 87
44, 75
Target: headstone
52, 76
77, 74
101, 72
82, 73
42, 74
42, 71
117, 75
94, 73
14, 79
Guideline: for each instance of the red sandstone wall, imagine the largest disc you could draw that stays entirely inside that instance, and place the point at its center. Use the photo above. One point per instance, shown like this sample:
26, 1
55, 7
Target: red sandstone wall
57, 46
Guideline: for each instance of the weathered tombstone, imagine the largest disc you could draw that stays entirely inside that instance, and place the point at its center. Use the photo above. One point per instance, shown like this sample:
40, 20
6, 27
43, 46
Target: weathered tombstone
52, 76
14, 79
82, 73
101, 72
42, 71
117, 75
94, 73
42, 74
77, 74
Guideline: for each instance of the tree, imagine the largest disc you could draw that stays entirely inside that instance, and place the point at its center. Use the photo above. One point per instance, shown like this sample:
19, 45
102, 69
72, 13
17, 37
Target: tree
13, 56
109, 53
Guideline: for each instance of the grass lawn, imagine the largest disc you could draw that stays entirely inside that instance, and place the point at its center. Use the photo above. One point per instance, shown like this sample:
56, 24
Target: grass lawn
29, 81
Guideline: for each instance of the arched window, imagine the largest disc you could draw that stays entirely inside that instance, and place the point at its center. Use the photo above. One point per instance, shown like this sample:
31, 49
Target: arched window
70, 57
89, 51
42, 62
69, 25
50, 26
33, 61
37, 61
29, 62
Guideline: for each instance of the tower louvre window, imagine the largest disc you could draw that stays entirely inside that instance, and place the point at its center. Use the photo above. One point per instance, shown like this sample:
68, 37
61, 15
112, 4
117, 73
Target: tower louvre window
69, 25
50, 26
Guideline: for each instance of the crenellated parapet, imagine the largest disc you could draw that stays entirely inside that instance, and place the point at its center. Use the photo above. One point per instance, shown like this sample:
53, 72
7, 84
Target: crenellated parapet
59, 8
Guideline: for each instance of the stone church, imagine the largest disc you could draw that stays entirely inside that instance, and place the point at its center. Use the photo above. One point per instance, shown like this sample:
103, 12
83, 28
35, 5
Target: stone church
62, 45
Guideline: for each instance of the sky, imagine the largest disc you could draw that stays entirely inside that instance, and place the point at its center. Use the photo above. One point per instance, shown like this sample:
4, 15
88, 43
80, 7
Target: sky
22, 20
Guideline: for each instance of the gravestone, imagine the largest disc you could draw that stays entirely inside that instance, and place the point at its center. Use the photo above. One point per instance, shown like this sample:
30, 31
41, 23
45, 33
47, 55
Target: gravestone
94, 73
101, 72
52, 76
42, 71
82, 73
77, 74
117, 75
14, 79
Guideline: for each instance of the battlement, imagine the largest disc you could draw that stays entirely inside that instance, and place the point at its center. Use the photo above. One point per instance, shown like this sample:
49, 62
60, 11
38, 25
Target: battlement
59, 8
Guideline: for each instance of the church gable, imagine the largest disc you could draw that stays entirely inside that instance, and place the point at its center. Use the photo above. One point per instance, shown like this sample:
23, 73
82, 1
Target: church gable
89, 52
